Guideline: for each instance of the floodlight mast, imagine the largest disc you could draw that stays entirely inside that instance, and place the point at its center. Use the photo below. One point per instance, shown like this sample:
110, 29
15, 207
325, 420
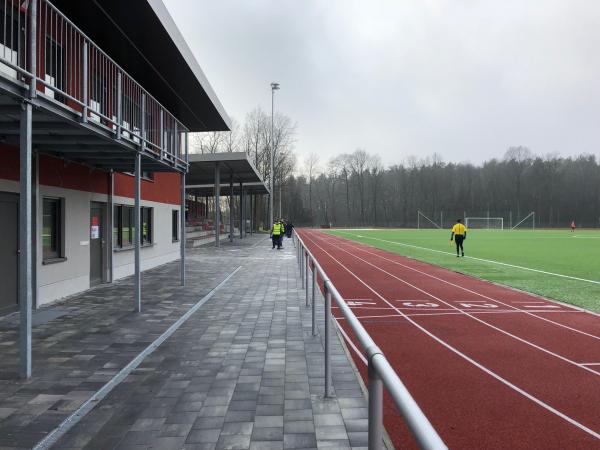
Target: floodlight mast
274, 87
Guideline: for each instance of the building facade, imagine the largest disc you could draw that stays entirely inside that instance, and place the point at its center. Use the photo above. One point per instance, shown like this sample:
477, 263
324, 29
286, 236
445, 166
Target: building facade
96, 100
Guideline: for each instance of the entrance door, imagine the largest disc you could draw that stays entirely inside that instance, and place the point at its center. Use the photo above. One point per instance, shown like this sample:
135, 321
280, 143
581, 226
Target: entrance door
9, 251
96, 243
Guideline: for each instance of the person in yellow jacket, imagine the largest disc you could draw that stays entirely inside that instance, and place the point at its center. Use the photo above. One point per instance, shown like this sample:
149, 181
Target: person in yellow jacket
459, 234
277, 233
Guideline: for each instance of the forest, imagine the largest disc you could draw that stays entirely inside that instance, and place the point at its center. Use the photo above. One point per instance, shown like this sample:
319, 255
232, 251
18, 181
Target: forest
356, 189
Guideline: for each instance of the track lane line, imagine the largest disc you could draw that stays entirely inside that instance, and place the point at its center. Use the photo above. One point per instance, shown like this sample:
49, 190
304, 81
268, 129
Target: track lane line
466, 357
466, 313
487, 297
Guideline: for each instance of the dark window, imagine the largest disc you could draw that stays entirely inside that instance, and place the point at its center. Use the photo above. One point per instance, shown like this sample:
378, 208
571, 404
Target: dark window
52, 228
117, 242
175, 225
124, 226
146, 226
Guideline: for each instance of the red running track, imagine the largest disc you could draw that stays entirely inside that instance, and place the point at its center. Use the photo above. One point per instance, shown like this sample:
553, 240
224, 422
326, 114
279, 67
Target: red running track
490, 366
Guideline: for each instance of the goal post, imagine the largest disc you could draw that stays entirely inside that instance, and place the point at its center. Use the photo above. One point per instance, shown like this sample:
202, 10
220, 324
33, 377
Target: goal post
425, 222
484, 223
525, 222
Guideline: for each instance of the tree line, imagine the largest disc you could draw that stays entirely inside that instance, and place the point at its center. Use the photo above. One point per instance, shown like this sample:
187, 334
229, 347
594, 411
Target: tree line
355, 189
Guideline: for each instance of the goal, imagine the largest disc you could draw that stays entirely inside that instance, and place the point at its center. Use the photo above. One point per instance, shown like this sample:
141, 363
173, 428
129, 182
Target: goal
484, 223
527, 222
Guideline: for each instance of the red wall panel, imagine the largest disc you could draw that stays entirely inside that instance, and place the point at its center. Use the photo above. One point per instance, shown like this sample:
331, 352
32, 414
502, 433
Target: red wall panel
165, 188
59, 173
9, 163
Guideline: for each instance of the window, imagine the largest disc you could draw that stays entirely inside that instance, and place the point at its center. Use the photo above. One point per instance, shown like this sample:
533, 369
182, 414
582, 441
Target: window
124, 226
146, 226
175, 225
52, 229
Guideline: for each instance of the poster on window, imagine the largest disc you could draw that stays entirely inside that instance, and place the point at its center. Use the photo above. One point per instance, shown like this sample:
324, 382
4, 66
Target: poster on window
95, 231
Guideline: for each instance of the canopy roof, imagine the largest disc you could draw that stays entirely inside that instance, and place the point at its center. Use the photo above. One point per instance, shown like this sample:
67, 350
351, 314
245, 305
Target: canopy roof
142, 37
235, 166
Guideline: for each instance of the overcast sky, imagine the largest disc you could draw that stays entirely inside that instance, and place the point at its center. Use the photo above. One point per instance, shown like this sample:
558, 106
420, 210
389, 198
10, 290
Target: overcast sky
463, 78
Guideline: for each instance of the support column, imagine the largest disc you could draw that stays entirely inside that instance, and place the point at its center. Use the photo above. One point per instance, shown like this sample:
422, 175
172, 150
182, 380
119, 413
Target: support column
35, 248
231, 207
182, 230
241, 211
137, 299
25, 248
110, 226
217, 204
251, 214
182, 218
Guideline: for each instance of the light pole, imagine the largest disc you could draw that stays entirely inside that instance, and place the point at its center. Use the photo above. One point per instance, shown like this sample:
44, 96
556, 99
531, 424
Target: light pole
274, 87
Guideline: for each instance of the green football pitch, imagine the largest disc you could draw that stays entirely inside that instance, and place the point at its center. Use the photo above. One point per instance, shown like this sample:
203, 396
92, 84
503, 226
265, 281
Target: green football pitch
556, 264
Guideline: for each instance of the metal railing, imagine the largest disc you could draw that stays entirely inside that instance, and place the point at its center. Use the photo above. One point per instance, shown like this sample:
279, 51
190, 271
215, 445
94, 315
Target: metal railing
380, 372
71, 69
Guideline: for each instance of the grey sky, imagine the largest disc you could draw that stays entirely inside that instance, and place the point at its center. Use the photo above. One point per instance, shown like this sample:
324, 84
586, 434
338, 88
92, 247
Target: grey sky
462, 78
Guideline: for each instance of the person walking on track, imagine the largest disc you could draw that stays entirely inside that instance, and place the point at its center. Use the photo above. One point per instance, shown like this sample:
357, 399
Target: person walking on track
459, 234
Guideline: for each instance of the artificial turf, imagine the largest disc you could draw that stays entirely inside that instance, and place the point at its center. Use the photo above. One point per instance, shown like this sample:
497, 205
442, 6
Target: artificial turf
556, 251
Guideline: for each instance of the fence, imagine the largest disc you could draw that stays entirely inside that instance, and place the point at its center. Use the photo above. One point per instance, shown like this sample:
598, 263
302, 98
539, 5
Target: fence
380, 372
68, 67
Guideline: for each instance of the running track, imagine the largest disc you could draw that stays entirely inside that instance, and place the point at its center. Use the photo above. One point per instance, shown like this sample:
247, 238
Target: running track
490, 366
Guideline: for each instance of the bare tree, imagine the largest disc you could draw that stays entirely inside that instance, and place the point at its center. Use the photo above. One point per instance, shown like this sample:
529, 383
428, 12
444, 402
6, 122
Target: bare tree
518, 159
311, 165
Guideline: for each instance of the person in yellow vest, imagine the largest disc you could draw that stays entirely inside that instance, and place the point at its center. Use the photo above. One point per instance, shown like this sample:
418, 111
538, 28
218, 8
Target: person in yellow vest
277, 233
459, 234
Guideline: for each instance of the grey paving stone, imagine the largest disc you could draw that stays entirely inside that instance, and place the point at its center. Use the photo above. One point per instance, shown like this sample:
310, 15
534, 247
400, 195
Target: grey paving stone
243, 372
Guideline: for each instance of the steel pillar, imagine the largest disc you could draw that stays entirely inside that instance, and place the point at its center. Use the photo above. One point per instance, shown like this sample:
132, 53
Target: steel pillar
137, 299
375, 408
217, 204
25, 248
110, 226
241, 210
231, 207
251, 214
327, 338
182, 231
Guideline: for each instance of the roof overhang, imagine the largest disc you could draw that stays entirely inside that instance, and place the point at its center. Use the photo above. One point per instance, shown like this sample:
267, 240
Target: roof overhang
209, 189
141, 36
234, 167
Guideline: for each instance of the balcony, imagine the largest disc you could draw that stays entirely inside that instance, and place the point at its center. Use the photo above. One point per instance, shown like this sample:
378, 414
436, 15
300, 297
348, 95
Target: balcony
87, 108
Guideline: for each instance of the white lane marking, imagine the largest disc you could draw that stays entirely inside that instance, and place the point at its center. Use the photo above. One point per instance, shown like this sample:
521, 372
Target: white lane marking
90, 403
479, 259
520, 339
446, 312
590, 364
354, 303
493, 299
421, 305
472, 361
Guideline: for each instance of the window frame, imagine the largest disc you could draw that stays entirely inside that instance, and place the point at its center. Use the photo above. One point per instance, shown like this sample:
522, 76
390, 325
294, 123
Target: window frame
57, 253
175, 225
123, 235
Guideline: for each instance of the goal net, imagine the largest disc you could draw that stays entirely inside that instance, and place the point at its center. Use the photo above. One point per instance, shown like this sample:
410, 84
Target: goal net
484, 223
528, 222
425, 222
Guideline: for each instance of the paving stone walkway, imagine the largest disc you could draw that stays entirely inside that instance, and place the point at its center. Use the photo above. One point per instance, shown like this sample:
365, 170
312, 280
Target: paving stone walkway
243, 372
